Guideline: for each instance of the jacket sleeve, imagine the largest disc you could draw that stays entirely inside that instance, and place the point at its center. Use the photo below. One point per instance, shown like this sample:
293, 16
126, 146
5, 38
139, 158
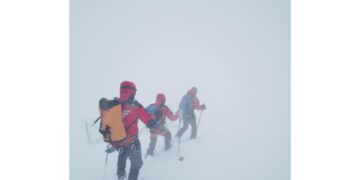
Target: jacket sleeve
196, 104
169, 114
143, 115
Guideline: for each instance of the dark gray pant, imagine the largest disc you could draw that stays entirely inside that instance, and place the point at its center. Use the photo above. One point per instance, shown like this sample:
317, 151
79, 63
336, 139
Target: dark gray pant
188, 119
133, 152
153, 139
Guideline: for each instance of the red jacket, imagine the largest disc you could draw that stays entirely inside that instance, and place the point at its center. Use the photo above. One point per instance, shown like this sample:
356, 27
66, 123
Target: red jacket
166, 113
131, 112
196, 103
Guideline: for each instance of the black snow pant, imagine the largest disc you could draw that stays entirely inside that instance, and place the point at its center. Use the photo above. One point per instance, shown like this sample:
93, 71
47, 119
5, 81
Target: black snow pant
153, 138
133, 152
188, 119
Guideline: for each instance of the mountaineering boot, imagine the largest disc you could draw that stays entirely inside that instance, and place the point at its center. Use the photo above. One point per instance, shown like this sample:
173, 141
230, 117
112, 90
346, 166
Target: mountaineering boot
149, 153
122, 177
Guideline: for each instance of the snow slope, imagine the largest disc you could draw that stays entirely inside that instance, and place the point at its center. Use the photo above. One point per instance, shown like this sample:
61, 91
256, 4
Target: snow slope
237, 53
227, 152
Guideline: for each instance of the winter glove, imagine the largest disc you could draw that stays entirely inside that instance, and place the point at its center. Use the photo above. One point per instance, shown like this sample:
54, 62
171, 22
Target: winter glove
177, 113
151, 123
203, 107
110, 150
103, 132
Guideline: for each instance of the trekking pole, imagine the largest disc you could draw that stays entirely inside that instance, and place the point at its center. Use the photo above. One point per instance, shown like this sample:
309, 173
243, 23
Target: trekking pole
106, 159
87, 131
97, 119
199, 118
181, 158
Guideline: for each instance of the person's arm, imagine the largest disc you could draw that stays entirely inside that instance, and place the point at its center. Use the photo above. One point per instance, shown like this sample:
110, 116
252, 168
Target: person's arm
145, 117
197, 105
169, 114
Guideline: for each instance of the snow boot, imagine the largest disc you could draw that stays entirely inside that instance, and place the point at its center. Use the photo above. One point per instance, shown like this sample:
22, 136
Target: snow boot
123, 177
149, 153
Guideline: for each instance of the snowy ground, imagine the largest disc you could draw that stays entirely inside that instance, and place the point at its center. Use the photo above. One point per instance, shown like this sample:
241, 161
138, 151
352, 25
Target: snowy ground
203, 158
237, 53
223, 153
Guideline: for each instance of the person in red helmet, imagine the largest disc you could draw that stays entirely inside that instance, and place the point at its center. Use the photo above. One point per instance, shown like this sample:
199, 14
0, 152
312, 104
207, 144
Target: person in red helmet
130, 148
160, 112
188, 103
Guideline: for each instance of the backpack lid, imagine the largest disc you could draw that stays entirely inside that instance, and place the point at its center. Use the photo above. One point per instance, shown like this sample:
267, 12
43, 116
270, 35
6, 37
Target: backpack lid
106, 104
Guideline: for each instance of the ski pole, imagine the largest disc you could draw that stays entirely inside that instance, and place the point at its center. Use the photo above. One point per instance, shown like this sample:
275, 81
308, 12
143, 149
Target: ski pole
87, 132
199, 119
97, 119
106, 159
180, 157
179, 121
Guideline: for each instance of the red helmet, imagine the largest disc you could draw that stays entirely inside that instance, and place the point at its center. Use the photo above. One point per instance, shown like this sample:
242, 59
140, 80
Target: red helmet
193, 91
128, 85
127, 91
160, 99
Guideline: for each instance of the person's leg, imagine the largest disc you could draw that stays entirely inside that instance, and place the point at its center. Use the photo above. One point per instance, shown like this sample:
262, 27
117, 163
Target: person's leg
121, 164
167, 137
184, 128
193, 124
152, 144
136, 160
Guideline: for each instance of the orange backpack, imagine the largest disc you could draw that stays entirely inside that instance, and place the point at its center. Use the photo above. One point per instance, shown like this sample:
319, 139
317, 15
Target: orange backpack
111, 124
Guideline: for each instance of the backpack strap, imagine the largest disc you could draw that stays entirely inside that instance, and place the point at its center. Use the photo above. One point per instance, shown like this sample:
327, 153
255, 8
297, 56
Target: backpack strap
138, 105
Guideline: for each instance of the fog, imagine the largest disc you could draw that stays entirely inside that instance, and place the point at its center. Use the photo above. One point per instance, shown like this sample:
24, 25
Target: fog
237, 53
